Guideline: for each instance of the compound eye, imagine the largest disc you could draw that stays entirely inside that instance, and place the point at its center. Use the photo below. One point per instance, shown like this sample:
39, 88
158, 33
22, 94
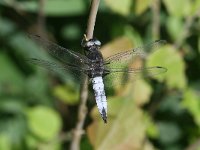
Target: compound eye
89, 43
97, 42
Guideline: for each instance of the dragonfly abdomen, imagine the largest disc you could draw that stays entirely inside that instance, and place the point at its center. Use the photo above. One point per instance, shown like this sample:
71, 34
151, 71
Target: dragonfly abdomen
100, 96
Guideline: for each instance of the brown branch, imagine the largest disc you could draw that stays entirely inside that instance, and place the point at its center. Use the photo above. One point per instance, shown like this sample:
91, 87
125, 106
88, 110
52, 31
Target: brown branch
41, 19
82, 112
156, 19
92, 18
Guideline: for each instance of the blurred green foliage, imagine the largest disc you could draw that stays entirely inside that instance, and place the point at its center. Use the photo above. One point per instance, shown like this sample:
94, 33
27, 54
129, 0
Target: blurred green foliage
38, 108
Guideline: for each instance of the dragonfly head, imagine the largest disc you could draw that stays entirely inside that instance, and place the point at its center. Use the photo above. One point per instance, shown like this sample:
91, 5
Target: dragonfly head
90, 45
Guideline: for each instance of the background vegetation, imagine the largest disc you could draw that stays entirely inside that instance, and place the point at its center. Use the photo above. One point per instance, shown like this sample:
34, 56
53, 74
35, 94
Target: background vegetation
38, 108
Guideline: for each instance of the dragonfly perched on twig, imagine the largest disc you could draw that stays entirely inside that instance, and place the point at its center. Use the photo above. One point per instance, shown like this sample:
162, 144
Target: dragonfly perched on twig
99, 70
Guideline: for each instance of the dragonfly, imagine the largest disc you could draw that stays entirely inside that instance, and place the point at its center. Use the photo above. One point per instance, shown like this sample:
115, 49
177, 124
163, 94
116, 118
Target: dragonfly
92, 64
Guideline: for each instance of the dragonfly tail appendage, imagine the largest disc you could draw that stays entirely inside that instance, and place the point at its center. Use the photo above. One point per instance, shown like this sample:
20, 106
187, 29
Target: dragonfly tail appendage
104, 115
100, 97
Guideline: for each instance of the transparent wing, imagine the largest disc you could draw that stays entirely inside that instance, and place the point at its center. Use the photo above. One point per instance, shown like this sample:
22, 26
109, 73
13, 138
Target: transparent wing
120, 76
123, 58
65, 55
78, 73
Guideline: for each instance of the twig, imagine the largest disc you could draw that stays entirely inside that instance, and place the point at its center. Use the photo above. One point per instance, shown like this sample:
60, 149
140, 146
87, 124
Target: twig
92, 18
156, 19
41, 19
75, 144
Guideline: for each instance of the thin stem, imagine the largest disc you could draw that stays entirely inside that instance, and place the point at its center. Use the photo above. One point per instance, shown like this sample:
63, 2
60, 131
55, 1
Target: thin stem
156, 19
75, 144
41, 19
92, 18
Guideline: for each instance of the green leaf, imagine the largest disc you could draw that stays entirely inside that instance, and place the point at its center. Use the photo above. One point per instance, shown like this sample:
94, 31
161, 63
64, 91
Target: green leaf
50, 146
5, 142
35, 143
37, 86
44, 122
6, 27
11, 79
12, 105
179, 8
191, 102
142, 92
85, 144
31, 141
71, 32
169, 132
116, 46
171, 103
126, 123
152, 130
169, 58
67, 94
119, 6
28, 49
139, 90
133, 35
142, 6
130, 39
175, 27
54, 7
14, 127
195, 7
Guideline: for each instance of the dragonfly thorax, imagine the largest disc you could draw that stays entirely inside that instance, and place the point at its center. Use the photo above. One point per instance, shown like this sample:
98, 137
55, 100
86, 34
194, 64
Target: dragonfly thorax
96, 66
91, 45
